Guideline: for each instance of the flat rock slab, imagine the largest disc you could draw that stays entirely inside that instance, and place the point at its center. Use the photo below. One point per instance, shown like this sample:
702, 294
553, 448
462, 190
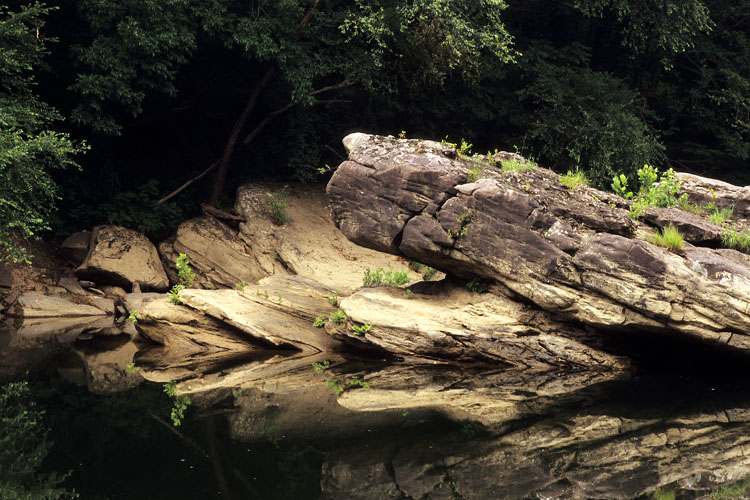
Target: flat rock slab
446, 321
37, 305
121, 257
266, 324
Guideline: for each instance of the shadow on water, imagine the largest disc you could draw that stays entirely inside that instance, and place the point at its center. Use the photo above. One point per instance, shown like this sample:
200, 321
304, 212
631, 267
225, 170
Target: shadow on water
283, 425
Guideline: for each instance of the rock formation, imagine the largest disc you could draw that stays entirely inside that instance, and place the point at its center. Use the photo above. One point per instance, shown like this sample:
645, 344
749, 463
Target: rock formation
573, 253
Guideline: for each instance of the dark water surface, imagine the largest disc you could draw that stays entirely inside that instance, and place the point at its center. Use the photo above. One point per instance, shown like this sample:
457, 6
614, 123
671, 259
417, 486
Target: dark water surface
271, 426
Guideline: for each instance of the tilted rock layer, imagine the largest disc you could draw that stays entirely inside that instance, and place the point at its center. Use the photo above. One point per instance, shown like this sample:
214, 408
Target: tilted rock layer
571, 252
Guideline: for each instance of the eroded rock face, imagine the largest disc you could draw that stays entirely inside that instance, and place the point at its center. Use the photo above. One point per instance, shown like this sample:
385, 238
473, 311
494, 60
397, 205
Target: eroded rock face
121, 257
216, 250
702, 191
410, 198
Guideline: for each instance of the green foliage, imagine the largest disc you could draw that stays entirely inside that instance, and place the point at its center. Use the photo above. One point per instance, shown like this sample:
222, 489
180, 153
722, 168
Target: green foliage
320, 322
512, 165
663, 495
355, 381
279, 207
179, 404
389, 278
23, 448
133, 208
464, 220
477, 285
580, 118
472, 175
573, 179
337, 316
333, 299
360, 330
409, 293
131, 367
650, 193
240, 285
133, 316
735, 491
738, 240
429, 273
322, 366
335, 386
184, 272
173, 295
669, 237
718, 217
30, 149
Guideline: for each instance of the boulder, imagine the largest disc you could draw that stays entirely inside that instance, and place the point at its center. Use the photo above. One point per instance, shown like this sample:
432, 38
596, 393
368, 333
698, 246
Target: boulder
119, 256
411, 198
215, 249
702, 191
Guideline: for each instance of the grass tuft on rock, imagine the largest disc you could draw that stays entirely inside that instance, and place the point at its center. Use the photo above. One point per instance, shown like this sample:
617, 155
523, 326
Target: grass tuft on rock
669, 238
572, 179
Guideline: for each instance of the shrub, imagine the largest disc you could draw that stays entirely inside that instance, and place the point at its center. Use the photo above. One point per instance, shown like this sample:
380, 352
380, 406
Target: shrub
319, 322
669, 238
279, 206
573, 179
381, 277
429, 273
650, 193
359, 330
337, 316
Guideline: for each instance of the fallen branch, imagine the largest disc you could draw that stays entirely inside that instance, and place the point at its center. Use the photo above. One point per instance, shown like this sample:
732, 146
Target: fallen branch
179, 189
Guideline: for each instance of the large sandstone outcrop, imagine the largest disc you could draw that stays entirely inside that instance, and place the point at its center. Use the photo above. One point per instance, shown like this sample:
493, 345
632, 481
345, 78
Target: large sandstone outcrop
574, 253
120, 256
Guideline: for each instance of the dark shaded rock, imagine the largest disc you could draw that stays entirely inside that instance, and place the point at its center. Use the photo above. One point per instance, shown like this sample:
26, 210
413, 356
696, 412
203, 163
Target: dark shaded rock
6, 276
76, 247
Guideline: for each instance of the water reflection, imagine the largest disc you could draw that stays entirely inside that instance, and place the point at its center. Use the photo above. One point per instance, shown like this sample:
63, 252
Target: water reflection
276, 424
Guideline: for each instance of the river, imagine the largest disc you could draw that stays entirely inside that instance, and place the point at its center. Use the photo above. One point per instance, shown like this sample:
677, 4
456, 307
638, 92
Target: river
276, 425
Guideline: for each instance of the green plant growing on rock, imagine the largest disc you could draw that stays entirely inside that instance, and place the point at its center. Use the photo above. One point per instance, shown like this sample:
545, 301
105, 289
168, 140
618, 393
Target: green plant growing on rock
133, 316
279, 207
240, 285
735, 491
337, 316
429, 273
719, 216
651, 193
464, 220
320, 322
381, 277
669, 238
180, 403
335, 386
737, 240
333, 299
184, 272
355, 381
322, 366
573, 179
361, 330
513, 164
472, 175
131, 367
173, 295
663, 495
478, 286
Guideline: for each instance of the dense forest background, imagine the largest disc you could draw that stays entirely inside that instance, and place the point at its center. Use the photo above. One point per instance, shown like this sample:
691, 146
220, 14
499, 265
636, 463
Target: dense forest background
107, 106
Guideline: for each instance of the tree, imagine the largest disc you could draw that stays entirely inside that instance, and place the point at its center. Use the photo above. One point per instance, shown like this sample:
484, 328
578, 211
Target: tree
29, 147
292, 53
